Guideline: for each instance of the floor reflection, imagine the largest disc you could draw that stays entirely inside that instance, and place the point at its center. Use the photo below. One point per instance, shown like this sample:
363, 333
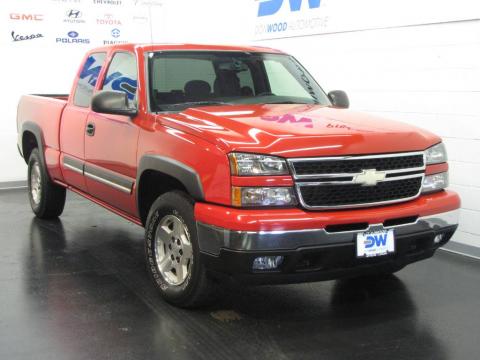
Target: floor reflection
90, 297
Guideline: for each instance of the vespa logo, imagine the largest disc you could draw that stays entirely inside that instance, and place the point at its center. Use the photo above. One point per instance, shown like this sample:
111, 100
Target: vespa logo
271, 7
369, 177
376, 240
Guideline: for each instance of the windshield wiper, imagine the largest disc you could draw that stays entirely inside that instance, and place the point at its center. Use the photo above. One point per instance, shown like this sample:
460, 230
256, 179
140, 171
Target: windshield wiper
200, 103
288, 102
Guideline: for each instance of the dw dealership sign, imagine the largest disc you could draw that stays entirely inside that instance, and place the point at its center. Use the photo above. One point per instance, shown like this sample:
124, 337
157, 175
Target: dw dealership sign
287, 18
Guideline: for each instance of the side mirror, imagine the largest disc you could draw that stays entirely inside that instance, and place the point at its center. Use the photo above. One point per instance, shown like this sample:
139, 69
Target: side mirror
112, 102
339, 99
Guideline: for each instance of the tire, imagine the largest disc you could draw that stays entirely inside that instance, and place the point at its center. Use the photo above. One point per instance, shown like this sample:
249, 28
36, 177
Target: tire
46, 198
172, 252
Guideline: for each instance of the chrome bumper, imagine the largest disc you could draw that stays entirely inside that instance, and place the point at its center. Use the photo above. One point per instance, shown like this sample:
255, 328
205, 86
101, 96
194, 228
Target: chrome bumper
212, 239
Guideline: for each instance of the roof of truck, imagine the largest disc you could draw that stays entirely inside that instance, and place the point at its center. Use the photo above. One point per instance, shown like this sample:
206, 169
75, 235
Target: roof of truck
184, 47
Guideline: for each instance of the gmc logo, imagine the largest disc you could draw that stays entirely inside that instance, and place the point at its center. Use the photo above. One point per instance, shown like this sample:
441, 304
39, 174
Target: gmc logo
270, 7
26, 17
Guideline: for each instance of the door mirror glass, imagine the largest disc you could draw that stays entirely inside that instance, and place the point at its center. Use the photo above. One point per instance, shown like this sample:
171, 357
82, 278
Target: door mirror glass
112, 102
339, 99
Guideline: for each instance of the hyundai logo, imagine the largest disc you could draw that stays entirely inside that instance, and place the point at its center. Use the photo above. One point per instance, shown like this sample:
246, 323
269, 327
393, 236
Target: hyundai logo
72, 34
116, 33
74, 14
369, 177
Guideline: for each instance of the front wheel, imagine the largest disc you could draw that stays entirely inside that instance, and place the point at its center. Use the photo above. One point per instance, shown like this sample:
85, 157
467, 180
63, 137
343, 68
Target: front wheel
172, 251
46, 198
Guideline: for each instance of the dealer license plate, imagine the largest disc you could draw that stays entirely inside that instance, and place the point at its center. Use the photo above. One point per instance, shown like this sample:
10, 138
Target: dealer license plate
375, 243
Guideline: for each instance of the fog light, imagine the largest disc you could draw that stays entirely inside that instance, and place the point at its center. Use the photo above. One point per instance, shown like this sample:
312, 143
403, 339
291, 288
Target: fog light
439, 238
267, 262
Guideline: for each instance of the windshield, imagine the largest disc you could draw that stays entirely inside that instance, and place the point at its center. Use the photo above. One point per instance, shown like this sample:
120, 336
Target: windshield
178, 80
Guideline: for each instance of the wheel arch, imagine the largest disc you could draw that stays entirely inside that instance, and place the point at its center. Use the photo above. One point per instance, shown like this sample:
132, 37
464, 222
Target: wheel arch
159, 174
32, 137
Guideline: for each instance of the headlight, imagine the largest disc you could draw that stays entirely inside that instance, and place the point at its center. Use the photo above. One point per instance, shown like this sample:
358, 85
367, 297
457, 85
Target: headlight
244, 164
436, 154
435, 182
263, 196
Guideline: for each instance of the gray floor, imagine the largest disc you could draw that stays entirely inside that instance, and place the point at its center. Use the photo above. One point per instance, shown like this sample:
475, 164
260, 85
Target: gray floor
77, 289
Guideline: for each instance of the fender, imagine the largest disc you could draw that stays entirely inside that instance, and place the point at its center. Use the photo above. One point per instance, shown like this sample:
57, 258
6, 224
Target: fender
37, 132
183, 173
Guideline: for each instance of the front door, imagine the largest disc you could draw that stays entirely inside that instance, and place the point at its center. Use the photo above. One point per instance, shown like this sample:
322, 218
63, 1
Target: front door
74, 120
111, 143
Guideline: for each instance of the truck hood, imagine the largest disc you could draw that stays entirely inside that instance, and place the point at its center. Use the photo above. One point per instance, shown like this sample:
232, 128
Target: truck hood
298, 130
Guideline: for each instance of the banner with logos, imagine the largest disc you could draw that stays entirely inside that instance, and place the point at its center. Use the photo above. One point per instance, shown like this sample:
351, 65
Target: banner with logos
76, 22
289, 18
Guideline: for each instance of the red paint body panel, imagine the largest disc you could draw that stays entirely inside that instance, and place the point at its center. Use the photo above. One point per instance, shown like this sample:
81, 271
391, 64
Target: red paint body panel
201, 138
298, 219
435, 169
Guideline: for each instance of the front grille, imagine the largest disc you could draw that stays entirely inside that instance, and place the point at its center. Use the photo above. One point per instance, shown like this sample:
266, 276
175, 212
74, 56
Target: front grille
352, 165
354, 194
357, 181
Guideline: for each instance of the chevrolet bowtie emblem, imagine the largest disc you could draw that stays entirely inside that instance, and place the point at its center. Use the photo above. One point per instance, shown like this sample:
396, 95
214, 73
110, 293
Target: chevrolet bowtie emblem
369, 177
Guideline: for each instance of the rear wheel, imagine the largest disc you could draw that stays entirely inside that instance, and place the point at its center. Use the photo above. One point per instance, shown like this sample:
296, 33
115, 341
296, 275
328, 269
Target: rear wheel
172, 252
46, 198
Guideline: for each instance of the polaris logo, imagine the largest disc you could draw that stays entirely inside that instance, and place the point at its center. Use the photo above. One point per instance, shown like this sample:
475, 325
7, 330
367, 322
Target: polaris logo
73, 38
271, 7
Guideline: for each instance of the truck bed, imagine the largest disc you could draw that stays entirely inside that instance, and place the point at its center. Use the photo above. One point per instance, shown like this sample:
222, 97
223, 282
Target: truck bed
45, 111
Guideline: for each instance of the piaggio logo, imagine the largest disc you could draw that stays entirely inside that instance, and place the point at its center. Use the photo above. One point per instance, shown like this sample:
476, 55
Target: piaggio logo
26, 17
271, 7
115, 33
74, 16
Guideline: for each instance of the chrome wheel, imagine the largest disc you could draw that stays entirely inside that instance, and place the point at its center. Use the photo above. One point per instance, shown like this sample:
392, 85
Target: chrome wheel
173, 250
36, 183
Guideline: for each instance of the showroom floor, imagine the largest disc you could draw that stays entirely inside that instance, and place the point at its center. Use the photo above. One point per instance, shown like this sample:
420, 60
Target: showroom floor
77, 289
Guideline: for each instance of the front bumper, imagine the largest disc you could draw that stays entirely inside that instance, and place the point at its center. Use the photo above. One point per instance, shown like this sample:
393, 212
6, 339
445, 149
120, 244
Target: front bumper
320, 254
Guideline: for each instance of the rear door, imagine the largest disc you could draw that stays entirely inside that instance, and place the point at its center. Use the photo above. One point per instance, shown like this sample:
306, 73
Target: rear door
111, 149
74, 120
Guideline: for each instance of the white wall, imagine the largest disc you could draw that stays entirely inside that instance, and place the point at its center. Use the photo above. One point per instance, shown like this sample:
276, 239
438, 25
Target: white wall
419, 63
43, 65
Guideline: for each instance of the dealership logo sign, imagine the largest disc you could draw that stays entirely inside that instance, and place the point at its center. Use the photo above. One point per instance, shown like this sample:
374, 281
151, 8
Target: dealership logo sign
74, 17
107, 2
73, 38
108, 19
17, 37
26, 17
271, 7
115, 34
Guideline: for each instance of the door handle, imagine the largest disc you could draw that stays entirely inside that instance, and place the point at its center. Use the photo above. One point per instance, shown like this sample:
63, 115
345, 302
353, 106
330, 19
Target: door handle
90, 130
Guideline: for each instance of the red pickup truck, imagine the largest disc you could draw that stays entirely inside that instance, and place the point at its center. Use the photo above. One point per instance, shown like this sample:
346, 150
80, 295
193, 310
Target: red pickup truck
237, 164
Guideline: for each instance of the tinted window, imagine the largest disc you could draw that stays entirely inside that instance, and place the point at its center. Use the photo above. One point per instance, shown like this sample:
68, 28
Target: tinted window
178, 79
88, 79
122, 75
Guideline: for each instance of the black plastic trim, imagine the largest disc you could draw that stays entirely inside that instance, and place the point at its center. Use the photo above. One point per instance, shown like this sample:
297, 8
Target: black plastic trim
183, 173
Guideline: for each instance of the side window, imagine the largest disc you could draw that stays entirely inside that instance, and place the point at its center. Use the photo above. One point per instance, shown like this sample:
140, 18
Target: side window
282, 82
122, 75
88, 79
